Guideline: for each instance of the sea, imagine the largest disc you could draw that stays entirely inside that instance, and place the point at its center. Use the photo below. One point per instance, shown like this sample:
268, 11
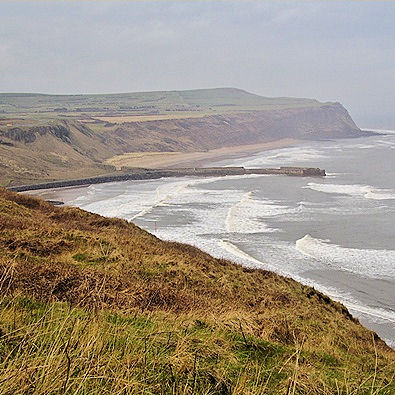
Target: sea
335, 233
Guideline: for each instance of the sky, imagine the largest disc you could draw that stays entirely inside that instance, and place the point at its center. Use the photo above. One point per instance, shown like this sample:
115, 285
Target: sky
329, 50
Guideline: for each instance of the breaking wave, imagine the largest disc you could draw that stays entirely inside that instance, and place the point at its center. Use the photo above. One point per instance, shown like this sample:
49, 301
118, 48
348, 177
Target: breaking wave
245, 216
244, 257
375, 313
285, 156
365, 262
365, 191
163, 194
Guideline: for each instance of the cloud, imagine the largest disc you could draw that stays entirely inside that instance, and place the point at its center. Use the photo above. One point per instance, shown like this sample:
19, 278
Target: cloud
328, 50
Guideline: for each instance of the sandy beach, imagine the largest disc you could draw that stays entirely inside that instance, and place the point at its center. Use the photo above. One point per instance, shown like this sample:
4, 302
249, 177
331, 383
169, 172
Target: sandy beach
154, 160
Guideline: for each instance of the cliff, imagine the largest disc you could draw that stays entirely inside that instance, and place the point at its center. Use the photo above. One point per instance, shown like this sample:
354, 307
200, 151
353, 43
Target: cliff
76, 144
98, 305
215, 131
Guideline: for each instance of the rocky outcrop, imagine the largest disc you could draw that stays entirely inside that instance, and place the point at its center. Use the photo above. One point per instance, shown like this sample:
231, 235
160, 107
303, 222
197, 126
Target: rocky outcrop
29, 135
19, 135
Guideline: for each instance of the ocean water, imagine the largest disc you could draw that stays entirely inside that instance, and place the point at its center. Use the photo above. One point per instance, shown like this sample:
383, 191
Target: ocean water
335, 233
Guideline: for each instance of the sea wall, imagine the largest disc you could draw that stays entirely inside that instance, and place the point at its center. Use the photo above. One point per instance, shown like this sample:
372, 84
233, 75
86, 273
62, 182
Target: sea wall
144, 174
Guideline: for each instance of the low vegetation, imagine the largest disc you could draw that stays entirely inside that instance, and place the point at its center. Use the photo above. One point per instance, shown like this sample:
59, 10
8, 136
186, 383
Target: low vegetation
206, 101
97, 305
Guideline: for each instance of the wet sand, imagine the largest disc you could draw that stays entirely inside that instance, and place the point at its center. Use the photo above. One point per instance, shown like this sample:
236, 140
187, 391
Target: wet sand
65, 194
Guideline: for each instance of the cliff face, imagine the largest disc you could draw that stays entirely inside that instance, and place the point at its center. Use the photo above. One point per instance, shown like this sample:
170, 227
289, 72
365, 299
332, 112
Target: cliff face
329, 121
215, 131
71, 149
63, 150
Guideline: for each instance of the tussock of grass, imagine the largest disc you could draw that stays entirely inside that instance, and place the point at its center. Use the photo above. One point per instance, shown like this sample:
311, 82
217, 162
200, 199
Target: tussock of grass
97, 305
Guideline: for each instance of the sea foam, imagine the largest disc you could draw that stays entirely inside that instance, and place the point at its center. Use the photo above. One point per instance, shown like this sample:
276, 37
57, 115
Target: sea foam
376, 314
285, 156
366, 262
246, 215
245, 258
364, 191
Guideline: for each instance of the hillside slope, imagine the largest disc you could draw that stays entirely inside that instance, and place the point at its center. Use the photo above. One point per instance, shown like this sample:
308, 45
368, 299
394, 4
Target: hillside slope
39, 143
97, 305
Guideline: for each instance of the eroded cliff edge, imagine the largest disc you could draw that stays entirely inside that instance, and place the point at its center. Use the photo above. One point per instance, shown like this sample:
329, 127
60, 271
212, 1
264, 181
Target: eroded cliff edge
330, 121
73, 148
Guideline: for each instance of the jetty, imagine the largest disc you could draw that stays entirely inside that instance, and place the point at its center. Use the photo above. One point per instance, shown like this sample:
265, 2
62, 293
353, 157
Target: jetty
146, 174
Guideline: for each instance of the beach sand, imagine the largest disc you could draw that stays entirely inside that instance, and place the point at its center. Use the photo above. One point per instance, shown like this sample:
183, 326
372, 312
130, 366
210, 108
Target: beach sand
65, 194
154, 160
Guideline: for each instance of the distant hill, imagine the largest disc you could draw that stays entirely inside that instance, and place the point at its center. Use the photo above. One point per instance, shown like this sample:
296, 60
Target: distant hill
97, 305
200, 100
47, 137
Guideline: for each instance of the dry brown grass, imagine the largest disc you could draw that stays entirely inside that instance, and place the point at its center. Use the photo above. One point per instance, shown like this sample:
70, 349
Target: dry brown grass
73, 263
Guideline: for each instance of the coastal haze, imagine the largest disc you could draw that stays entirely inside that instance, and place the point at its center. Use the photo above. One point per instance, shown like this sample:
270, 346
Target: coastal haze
327, 50
197, 197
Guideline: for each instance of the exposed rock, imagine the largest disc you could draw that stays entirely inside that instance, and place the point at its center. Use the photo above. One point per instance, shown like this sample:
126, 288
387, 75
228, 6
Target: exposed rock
20, 135
29, 135
87, 148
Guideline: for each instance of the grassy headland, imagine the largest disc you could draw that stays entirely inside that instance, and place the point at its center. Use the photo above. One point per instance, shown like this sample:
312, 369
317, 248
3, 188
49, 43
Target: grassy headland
97, 305
54, 137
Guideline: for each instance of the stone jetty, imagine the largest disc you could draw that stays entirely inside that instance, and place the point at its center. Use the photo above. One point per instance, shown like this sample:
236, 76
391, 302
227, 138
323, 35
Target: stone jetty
145, 174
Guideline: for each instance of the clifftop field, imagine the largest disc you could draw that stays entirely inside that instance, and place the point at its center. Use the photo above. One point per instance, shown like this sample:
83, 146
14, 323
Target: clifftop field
203, 101
97, 305
53, 137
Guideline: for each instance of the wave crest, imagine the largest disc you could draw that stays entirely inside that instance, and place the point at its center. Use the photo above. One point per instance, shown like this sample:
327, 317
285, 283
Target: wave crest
356, 190
374, 263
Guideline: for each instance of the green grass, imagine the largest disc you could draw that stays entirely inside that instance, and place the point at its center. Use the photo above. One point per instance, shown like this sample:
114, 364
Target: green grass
200, 100
54, 348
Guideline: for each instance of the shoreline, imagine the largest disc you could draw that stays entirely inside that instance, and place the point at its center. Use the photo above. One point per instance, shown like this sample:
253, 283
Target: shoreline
317, 277
135, 174
166, 161
174, 160
190, 159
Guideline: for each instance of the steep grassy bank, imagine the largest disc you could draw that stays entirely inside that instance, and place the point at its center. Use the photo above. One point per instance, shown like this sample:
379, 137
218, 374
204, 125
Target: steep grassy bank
97, 305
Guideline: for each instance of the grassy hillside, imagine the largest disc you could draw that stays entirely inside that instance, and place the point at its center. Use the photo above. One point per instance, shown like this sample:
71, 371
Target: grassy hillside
97, 305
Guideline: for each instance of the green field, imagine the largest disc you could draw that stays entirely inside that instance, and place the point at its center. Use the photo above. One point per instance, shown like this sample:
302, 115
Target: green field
207, 101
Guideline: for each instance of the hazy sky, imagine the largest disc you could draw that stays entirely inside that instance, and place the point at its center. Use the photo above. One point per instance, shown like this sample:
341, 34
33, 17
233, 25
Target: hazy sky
330, 50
